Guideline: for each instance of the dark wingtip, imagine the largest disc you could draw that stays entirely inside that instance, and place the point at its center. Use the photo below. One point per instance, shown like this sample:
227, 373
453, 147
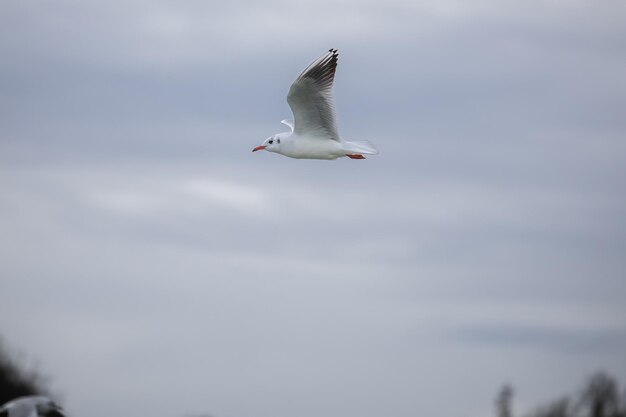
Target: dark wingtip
323, 69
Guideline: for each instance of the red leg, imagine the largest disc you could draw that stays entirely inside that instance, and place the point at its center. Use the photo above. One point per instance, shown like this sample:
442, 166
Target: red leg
355, 156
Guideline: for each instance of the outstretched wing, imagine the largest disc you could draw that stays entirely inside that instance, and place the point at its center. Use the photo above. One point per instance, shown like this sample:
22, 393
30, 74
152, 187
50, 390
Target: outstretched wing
311, 100
288, 122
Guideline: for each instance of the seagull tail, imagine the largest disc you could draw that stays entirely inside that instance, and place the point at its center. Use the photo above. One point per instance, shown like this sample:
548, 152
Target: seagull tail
360, 147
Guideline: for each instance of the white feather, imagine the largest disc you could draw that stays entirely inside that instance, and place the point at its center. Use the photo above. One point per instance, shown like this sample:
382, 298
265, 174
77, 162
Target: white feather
288, 122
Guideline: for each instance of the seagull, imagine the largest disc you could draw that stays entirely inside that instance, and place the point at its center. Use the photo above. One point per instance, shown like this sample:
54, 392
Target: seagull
31, 406
314, 133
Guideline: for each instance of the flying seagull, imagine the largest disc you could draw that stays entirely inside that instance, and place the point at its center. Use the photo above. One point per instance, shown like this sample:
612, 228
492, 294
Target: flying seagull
31, 406
314, 133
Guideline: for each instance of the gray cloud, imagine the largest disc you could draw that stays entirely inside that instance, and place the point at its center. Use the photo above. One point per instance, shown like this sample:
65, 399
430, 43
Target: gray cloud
144, 243
561, 340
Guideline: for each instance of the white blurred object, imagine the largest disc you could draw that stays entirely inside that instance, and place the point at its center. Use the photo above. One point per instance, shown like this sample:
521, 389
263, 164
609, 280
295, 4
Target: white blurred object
30, 406
314, 133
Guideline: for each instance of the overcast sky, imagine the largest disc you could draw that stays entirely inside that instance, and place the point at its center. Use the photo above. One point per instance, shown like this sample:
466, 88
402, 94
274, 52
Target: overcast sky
153, 266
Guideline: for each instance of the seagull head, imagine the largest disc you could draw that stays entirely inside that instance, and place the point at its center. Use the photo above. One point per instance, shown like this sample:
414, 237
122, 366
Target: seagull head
271, 144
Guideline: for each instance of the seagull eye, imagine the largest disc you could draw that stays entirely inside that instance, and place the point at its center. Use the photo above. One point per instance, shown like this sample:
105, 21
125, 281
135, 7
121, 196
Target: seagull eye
270, 142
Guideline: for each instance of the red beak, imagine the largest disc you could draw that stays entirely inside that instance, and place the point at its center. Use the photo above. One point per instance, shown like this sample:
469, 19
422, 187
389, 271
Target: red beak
258, 148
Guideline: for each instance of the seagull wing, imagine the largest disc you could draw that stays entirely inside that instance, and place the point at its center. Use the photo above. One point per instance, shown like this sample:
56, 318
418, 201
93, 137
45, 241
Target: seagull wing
24, 406
288, 123
21, 409
311, 99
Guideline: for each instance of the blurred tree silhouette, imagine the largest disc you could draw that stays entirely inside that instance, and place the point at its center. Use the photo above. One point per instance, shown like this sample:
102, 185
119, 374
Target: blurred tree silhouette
16, 380
559, 408
504, 402
598, 398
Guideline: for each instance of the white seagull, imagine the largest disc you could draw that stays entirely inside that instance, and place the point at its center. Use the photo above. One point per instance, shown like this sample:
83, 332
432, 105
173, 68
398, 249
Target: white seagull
30, 406
314, 133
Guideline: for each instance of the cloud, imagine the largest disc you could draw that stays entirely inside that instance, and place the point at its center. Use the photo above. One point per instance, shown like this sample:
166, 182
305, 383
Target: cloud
545, 338
485, 242
188, 196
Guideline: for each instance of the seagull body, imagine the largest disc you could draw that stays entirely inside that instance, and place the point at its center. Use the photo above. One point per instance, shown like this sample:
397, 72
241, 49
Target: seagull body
314, 133
30, 406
